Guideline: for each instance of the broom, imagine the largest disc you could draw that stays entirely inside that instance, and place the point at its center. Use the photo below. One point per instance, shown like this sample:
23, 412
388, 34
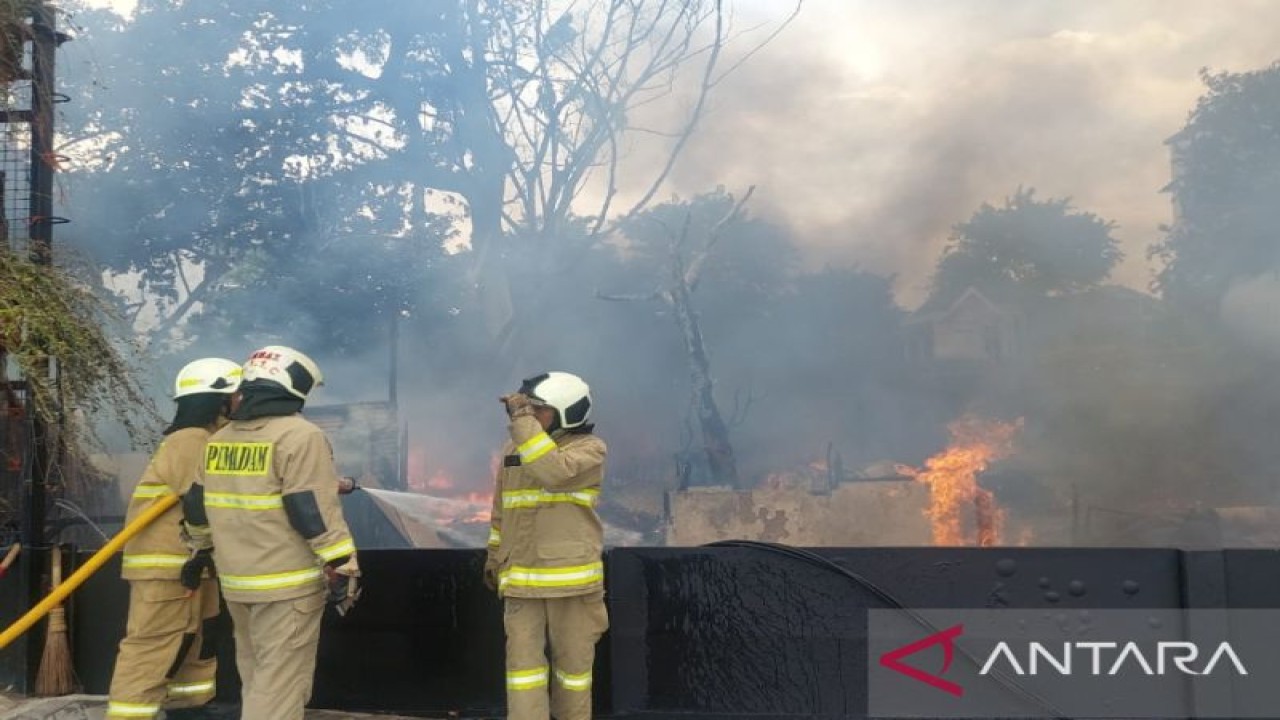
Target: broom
56, 675
9, 557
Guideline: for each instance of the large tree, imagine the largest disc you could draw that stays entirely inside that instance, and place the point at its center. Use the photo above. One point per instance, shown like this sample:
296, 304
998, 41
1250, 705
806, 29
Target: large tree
1226, 179
1027, 247
299, 126
688, 251
218, 176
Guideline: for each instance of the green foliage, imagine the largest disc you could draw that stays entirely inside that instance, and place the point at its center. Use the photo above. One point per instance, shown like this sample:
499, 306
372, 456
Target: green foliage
1225, 185
1027, 248
13, 33
44, 314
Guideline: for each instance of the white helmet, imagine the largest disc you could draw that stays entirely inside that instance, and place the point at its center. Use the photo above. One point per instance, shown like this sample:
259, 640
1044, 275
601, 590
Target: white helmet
286, 367
567, 393
207, 375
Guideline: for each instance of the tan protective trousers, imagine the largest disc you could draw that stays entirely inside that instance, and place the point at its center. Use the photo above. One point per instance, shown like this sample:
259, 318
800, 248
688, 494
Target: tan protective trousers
572, 625
276, 645
165, 660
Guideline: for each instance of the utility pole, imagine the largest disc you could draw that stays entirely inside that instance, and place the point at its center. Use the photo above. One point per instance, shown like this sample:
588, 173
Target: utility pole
45, 40
46, 432
393, 359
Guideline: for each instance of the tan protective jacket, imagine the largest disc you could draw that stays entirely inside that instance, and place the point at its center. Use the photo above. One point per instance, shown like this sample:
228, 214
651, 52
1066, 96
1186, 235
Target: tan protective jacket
546, 539
157, 552
251, 469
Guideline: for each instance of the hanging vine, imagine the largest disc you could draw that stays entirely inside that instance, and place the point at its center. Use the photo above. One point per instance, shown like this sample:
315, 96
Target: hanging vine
51, 322
14, 32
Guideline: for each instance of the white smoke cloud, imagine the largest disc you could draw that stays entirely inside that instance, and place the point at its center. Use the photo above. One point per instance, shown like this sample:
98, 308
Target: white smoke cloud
872, 127
1249, 309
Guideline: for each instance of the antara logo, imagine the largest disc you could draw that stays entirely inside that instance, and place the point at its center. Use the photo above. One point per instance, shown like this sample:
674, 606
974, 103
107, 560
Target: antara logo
1128, 657
1101, 658
945, 638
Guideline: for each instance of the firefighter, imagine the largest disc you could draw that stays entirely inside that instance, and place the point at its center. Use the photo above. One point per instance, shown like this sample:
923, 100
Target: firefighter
545, 545
265, 511
167, 657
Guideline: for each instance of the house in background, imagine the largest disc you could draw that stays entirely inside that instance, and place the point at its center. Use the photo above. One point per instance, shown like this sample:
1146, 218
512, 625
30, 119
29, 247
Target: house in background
971, 330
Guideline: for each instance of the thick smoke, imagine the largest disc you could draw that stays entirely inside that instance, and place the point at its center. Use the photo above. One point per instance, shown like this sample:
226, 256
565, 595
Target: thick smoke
1249, 309
870, 129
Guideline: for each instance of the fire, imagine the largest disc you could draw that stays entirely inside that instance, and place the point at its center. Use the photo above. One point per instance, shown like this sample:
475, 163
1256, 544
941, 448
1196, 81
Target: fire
1026, 537
484, 504
440, 482
464, 506
952, 476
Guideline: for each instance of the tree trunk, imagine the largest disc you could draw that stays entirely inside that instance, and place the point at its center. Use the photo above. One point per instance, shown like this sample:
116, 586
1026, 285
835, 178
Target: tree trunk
715, 434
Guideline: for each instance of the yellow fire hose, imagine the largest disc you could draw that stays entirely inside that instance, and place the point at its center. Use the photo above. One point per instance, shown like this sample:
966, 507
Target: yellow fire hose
14, 631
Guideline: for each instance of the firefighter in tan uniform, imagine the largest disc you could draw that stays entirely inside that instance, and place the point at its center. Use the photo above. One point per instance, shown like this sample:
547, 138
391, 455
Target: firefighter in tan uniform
545, 548
269, 492
167, 657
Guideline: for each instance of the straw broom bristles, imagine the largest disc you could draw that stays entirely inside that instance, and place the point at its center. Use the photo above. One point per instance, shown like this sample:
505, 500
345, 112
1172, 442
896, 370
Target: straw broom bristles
56, 675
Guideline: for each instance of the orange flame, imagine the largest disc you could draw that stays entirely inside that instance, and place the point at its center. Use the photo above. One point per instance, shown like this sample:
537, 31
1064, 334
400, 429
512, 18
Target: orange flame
466, 506
440, 481
483, 503
1026, 536
952, 476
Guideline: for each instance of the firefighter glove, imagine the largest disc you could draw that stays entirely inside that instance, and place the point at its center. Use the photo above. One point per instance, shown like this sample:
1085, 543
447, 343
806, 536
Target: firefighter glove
193, 569
195, 532
197, 538
518, 404
491, 577
342, 577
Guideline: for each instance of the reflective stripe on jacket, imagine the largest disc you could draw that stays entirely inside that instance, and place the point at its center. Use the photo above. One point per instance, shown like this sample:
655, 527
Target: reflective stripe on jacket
250, 470
157, 552
546, 539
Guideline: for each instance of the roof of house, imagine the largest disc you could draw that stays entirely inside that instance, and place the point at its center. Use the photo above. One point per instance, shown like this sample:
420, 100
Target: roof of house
933, 309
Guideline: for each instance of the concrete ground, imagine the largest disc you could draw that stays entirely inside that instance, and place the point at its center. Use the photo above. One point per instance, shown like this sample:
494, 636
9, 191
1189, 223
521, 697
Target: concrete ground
94, 707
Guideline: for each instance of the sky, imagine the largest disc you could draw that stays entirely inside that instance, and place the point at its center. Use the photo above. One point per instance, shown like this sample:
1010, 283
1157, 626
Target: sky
871, 127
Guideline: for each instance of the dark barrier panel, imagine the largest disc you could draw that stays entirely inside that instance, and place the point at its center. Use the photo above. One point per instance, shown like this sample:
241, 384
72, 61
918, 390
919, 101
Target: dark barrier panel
426, 637
701, 632
730, 632
18, 661
98, 612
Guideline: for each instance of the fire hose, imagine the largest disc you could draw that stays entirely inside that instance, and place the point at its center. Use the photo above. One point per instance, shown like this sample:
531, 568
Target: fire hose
14, 631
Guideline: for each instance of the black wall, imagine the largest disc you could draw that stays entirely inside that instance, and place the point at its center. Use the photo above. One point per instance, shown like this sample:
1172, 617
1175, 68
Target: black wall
699, 632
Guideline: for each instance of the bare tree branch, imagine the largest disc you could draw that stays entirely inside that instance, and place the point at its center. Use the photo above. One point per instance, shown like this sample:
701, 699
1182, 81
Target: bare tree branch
362, 140
182, 273
629, 297
611, 189
741, 406
196, 295
694, 116
694, 273
760, 46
